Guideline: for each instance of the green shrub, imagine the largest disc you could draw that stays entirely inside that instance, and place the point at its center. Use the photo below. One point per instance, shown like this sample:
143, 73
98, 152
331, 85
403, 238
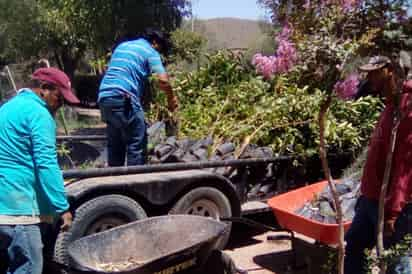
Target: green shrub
227, 100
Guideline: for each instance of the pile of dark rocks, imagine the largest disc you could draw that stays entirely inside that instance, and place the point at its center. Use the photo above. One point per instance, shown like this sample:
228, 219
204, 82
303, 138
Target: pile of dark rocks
261, 179
164, 149
322, 208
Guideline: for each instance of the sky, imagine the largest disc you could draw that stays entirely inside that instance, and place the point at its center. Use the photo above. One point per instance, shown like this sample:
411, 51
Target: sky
247, 9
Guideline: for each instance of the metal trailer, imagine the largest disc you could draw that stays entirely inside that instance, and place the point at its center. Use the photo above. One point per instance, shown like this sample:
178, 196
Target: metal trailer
103, 198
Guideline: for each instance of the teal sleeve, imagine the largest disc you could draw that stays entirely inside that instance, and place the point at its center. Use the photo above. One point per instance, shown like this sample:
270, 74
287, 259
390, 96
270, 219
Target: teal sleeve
156, 65
43, 135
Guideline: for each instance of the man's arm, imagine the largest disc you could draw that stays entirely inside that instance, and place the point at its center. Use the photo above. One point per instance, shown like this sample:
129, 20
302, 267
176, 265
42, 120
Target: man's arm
43, 136
400, 187
164, 85
157, 68
398, 190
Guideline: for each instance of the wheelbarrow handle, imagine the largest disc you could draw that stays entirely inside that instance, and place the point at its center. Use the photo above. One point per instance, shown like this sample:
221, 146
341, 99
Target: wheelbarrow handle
251, 223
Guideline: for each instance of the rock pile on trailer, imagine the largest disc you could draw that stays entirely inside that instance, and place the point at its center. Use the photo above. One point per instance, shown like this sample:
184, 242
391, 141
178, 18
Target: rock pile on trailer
170, 149
164, 149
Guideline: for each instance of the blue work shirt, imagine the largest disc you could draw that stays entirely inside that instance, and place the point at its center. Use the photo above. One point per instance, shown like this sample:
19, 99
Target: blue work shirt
130, 66
31, 182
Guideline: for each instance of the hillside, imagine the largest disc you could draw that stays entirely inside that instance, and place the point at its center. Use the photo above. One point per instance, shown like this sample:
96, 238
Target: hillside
229, 32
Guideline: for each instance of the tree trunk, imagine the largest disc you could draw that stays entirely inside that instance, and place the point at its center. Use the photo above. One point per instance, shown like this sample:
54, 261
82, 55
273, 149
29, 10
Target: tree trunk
69, 63
396, 118
384, 189
381, 215
323, 156
58, 60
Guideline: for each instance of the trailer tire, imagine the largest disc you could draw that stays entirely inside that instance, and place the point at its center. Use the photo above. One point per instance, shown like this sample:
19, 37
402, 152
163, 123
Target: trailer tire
105, 211
207, 202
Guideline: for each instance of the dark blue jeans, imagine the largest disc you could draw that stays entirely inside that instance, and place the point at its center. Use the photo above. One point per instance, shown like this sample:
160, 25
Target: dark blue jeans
362, 235
126, 131
21, 248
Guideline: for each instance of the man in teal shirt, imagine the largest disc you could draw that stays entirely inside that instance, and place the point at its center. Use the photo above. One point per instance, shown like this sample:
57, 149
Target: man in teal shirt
31, 183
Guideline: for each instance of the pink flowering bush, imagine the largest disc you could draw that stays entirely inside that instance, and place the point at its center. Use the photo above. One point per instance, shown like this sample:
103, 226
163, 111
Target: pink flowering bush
282, 61
346, 89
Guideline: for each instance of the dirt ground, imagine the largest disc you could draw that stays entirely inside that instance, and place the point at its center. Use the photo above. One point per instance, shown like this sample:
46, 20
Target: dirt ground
252, 251
257, 254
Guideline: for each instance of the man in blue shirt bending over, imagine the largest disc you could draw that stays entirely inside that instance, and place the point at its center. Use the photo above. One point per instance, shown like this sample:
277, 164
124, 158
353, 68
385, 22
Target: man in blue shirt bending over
120, 96
31, 183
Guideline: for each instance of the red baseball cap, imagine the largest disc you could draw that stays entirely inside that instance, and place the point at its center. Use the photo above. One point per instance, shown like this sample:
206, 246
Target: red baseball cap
59, 79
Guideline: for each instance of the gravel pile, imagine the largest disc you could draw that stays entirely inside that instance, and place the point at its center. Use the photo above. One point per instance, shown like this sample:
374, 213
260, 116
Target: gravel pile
322, 209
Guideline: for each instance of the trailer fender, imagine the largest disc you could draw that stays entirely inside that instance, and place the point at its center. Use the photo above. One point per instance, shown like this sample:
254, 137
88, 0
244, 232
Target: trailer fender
159, 189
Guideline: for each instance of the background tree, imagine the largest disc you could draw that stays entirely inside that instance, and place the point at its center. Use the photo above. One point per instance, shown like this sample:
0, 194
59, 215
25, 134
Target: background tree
265, 44
325, 39
19, 30
66, 29
187, 48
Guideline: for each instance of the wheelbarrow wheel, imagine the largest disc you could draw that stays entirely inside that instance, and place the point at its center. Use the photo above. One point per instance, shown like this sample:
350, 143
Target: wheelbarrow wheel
207, 202
96, 215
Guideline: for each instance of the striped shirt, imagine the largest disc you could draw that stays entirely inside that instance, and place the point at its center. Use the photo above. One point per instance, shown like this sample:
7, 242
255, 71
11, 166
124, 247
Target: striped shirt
131, 64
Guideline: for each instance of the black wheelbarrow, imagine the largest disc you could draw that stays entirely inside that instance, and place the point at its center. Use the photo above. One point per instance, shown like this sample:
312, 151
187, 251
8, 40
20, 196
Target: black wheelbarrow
159, 245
